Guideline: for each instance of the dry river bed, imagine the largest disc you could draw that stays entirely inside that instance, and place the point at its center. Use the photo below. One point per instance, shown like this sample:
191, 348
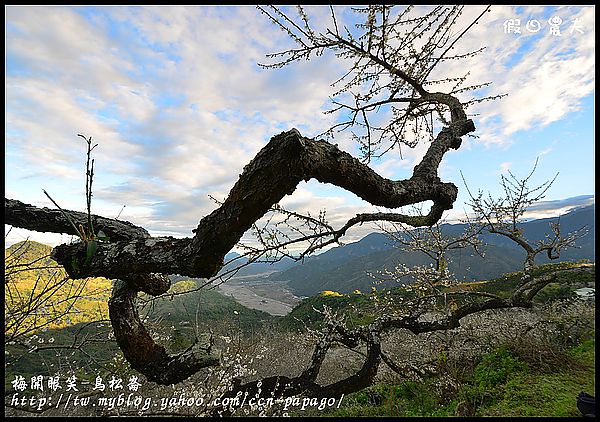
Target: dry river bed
256, 292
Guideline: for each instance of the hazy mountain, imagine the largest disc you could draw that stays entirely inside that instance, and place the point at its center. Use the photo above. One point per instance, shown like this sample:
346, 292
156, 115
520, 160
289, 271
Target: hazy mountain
347, 267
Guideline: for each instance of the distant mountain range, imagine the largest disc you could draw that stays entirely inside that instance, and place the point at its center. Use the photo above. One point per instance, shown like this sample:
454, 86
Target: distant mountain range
256, 267
347, 268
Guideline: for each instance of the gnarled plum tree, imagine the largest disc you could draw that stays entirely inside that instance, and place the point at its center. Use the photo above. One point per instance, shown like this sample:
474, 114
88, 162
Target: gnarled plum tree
391, 55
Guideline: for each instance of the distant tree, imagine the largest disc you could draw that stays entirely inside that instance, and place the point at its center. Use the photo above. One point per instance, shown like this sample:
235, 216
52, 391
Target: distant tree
436, 245
505, 214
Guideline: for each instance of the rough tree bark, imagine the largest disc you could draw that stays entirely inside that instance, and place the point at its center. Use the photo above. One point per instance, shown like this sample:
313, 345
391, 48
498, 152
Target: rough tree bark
18, 214
276, 171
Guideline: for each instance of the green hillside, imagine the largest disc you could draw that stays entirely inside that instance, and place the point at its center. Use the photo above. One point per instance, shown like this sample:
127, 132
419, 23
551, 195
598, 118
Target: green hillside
44, 311
39, 295
178, 318
360, 309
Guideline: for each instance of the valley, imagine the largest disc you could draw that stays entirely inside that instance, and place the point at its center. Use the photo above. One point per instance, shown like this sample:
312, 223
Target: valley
260, 293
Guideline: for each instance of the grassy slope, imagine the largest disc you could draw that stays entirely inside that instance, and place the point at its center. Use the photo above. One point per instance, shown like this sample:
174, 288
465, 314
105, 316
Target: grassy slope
500, 385
532, 394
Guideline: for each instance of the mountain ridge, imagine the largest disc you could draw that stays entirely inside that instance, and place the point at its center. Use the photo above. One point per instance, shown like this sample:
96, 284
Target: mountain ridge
344, 272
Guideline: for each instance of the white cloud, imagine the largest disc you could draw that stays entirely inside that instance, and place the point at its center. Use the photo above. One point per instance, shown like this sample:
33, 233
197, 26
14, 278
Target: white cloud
545, 151
545, 76
14, 235
505, 167
554, 208
544, 83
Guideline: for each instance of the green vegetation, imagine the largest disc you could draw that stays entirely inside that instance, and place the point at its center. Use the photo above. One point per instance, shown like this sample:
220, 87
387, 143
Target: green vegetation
357, 307
501, 384
174, 317
67, 322
360, 309
178, 318
48, 352
529, 393
406, 399
204, 306
567, 282
39, 295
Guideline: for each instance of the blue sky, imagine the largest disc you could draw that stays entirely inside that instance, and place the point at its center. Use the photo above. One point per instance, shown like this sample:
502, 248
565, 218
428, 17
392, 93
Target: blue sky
178, 105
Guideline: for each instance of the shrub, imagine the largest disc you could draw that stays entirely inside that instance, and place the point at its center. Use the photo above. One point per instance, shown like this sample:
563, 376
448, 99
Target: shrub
495, 368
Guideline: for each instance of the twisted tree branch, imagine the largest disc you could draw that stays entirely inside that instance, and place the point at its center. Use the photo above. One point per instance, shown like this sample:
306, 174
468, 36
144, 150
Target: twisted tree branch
276, 171
140, 262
